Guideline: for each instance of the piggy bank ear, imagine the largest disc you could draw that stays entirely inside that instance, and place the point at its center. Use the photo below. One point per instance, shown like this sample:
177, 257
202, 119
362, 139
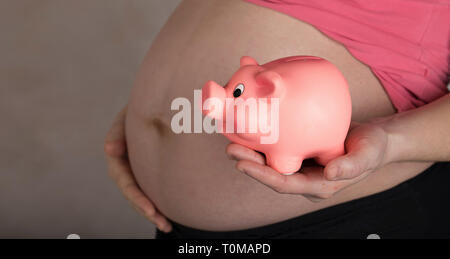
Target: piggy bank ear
269, 83
248, 61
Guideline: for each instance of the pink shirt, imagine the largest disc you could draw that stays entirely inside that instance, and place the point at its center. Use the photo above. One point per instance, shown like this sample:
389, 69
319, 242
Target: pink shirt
406, 43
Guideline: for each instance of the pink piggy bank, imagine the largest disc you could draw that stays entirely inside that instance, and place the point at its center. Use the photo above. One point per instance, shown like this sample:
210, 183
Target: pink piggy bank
305, 99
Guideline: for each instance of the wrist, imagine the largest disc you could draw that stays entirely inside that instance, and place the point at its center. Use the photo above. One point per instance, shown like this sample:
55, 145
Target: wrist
396, 142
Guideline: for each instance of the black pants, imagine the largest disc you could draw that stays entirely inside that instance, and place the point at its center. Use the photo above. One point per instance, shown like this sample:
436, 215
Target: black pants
417, 208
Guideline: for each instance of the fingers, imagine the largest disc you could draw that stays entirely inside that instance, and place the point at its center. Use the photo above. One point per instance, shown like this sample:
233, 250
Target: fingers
158, 219
294, 184
312, 182
348, 166
239, 152
366, 147
115, 144
120, 172
309, 182
141, 204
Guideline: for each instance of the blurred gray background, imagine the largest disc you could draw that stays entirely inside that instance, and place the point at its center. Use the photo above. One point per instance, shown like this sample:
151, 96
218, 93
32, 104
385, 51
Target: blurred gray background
66, 68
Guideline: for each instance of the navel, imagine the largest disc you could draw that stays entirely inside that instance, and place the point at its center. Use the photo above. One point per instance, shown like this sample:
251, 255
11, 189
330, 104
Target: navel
161, 127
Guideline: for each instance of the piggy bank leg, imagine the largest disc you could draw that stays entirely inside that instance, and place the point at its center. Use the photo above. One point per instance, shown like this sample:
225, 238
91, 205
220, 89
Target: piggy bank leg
284, 164
329, 155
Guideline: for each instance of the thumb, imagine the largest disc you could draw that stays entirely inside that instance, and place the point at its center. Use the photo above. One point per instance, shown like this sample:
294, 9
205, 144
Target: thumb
349, 166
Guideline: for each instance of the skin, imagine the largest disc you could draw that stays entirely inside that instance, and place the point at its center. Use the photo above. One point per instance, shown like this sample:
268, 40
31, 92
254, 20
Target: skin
119, 170
369, 146
189, 179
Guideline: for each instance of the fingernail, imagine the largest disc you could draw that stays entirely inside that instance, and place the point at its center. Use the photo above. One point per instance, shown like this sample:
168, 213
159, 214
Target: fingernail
337, 176
334, 174
161, 227
167, 229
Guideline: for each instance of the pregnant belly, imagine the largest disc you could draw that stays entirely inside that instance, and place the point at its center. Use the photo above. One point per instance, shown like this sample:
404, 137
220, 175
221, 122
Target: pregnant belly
192, 182
188, 176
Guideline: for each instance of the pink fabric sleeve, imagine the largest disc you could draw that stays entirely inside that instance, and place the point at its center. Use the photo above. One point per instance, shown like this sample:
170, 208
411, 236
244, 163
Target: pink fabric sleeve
406, 43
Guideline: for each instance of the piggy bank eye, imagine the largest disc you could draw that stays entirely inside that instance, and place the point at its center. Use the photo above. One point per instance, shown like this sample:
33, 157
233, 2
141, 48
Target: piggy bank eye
238, 90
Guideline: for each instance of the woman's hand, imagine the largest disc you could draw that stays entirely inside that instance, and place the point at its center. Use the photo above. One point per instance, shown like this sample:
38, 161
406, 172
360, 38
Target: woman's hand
120, 171
367, 149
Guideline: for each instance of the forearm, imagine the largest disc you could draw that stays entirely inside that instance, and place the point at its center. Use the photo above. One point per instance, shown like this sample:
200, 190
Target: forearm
422, 134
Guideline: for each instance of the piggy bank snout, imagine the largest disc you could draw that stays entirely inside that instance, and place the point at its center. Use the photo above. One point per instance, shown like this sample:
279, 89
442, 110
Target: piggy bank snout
213, 100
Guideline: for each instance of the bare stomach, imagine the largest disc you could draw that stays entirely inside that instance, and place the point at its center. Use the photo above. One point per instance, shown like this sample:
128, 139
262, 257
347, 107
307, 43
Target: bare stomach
188, 176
